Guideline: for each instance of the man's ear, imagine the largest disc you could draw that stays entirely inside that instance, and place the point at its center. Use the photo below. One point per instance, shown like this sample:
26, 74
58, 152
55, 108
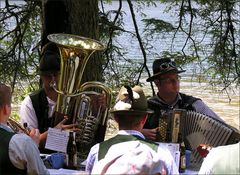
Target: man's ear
6, 109
3, 110
144, 119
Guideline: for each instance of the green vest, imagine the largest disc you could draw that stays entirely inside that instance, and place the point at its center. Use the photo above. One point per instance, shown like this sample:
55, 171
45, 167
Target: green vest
6, 166
104, 146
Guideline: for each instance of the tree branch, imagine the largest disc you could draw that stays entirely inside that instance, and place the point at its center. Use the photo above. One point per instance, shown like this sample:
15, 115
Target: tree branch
140, 44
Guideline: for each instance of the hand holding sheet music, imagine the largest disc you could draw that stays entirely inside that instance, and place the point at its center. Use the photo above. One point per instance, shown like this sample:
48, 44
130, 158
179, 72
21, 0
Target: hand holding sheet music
57, 140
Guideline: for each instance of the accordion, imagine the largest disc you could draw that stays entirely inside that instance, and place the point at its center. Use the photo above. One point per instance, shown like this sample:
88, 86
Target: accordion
196, 129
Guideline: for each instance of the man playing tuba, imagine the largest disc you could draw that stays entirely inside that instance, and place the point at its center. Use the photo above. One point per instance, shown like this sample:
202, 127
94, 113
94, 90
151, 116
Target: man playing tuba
63, 94
37, 108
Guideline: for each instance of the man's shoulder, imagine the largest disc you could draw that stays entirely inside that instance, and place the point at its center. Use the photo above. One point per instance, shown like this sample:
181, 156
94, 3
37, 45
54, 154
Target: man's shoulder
154, 100
226, 149
38, 96
21, 138
26, 100
33, 96
94, 149
37, 92
155, 97
188, 98
127, 138
23, 142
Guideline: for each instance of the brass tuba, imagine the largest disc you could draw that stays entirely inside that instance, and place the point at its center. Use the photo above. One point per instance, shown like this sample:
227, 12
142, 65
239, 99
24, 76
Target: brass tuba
77, 100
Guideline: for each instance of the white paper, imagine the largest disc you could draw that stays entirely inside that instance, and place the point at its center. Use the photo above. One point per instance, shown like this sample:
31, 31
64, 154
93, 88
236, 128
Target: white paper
57, 140
65, 171
174, 150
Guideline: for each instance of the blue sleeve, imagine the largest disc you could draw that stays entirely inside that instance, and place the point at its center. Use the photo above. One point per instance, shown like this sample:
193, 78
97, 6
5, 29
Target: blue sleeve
202, 108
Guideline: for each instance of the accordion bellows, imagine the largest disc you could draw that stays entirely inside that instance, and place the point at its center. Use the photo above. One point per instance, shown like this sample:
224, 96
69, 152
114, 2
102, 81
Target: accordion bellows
198, 129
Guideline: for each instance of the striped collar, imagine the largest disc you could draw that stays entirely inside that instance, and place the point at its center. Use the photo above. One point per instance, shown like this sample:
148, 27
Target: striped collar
131, 132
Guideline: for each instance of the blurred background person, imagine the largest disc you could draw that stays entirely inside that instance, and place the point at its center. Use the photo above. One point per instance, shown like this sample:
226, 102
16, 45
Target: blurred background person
222, 160
19, 153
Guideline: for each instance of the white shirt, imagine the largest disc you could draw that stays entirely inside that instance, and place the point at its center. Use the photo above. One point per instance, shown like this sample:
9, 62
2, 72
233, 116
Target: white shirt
24, 153
28, 115
222, 160
163, 153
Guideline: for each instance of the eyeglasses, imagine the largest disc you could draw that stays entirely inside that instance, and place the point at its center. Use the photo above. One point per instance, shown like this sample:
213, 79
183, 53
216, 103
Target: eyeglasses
170, 80
167, 65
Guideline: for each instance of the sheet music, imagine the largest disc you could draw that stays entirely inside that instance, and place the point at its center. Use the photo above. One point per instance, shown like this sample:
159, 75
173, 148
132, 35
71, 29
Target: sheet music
174, 150
57, 140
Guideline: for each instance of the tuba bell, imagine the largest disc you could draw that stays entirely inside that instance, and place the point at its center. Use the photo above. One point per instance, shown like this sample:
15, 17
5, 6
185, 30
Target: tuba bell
77, 100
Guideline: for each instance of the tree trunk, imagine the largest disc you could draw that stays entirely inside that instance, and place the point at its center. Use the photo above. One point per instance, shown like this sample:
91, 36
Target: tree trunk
79, 17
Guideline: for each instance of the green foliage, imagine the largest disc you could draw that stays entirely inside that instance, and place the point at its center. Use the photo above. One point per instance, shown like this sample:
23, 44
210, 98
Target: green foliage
219, 21
15, 116
178, 57
19, 57
108, 27
153, 25
198, 20
22, 91
124, 73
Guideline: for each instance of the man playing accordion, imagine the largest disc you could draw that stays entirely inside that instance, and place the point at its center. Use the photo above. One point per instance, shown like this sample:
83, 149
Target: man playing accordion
167, 80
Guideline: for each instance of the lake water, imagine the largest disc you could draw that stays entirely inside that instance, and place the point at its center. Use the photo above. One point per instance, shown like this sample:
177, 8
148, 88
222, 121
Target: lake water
212, 96
217, 100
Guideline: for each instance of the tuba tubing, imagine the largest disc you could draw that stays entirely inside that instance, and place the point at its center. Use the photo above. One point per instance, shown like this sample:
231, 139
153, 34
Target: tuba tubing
73, 95
75, 52
93, 84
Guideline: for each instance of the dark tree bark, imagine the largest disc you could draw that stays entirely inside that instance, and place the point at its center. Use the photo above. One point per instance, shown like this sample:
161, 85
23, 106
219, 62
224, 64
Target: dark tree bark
55, 18
79, 17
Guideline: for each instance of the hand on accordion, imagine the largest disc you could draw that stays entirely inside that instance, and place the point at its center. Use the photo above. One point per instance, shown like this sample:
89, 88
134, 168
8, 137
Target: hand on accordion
150, 134
203, 149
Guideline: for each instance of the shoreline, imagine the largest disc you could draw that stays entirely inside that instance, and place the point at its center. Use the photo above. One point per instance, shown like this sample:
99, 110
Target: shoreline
217, 100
